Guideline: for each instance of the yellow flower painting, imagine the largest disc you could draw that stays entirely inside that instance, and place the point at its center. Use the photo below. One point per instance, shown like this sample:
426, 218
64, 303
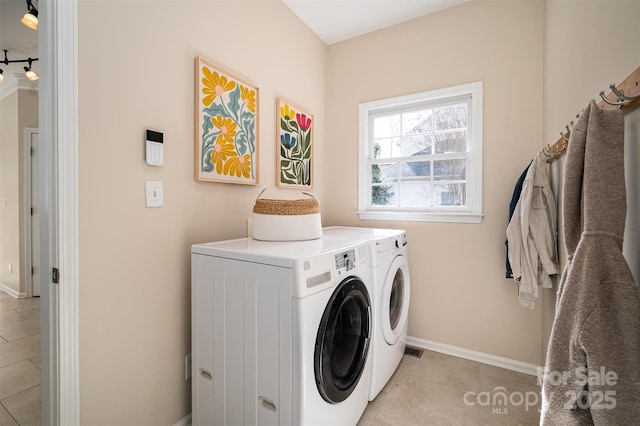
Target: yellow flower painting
226, 126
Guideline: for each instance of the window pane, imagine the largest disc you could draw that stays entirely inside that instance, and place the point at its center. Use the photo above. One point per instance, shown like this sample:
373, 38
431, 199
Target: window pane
417, 145
384, 127
451, 194
450, 169
377, 148
384, 195
451, 117
417, 122
381, 148
416, 169
387, 148
415, 194
383, 173
451, 142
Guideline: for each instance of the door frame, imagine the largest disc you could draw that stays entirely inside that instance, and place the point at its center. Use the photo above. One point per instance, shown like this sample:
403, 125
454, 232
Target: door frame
27, 247
57, 40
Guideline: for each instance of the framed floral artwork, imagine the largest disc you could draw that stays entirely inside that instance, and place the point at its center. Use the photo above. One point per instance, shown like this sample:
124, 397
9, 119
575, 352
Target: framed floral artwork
226, 145
294, 140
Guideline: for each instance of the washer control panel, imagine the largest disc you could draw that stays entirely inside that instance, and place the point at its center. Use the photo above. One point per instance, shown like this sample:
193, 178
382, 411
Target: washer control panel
346, 259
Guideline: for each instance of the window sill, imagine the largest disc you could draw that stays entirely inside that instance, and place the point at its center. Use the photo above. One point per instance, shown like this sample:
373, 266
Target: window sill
447, 217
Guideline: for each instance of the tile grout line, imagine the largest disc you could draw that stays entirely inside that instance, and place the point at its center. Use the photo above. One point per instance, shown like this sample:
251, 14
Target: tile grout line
18, 393
29, 359
21, 391
10, 413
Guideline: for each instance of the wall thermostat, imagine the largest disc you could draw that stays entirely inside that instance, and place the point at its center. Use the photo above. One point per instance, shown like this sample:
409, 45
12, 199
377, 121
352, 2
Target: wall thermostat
155, 148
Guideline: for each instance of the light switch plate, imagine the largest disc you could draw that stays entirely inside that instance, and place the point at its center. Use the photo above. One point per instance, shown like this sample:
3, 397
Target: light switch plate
153, 193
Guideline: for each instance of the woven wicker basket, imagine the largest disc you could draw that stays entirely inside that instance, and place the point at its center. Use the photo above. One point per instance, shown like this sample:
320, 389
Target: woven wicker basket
287, 220
286, 207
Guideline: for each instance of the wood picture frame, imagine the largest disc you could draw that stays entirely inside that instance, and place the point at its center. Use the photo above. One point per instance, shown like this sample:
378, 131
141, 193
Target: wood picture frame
226, 126
294, 141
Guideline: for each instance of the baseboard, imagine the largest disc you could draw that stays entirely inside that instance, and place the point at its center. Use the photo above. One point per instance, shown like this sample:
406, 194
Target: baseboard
185, 421
11, 292
496, 361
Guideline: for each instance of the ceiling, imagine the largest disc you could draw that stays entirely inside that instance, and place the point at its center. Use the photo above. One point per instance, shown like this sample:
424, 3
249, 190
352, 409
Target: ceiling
332, 20
337, 20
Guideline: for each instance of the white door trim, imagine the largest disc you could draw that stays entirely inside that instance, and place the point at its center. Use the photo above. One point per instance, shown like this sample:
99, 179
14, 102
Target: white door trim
57, 39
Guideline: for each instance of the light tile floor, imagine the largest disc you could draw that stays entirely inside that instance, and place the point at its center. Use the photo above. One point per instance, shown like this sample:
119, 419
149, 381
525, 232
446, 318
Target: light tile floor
441, 390
19, 361
435, 389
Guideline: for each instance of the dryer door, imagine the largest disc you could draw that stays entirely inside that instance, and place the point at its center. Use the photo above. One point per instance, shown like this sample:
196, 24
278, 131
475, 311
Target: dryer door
395, 300
342, 342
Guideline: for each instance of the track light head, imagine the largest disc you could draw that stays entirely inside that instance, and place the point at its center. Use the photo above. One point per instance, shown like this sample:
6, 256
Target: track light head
31, 75
30, 19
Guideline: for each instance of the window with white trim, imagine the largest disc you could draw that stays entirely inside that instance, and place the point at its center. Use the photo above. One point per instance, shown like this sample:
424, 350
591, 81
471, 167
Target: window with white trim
421, 156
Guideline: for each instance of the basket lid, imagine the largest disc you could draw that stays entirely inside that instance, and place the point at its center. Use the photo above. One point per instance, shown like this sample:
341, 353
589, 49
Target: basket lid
286, 207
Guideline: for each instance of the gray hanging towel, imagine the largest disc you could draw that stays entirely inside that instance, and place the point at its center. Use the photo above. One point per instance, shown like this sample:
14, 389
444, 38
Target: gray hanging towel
592, 372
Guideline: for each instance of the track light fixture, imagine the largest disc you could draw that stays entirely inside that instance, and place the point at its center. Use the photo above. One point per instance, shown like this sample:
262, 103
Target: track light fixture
31, 75
30, 19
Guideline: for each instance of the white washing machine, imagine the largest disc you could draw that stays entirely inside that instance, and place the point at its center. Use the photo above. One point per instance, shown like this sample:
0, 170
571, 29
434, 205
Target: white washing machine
281, 332
391, 295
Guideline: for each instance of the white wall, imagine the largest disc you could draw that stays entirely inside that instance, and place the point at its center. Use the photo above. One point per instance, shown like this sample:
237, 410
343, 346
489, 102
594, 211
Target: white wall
631, 247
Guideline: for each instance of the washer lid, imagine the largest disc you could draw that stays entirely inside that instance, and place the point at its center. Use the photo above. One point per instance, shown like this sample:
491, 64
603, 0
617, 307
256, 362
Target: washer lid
369, 234
277, 253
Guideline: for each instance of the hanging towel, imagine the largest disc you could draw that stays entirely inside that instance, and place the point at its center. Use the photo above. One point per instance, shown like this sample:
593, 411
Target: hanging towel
592, 371
532, 233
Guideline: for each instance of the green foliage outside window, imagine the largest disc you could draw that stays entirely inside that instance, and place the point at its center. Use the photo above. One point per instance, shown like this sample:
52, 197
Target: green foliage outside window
380, 194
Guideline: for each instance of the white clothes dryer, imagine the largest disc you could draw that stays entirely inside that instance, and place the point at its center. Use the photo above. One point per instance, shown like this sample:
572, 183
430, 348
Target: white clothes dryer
391, 297
281, 332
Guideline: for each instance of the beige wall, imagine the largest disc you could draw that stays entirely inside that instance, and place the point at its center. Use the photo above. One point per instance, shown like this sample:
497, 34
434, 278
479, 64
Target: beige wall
584, 52
9, 190
134, 261
459, 293
18, 110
